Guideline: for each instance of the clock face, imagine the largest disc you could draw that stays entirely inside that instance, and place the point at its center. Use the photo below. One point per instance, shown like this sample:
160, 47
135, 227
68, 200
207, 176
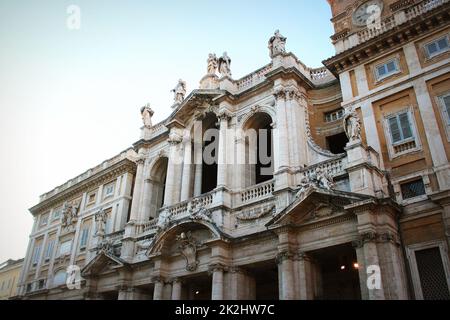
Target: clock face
368, 9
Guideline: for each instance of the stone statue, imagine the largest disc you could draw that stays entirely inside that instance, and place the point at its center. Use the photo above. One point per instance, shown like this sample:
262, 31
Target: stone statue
100, 221
179, 91
277, 44
323, 179
318, 178
163, 220
225, 65
212, 64
147, 114
352, 126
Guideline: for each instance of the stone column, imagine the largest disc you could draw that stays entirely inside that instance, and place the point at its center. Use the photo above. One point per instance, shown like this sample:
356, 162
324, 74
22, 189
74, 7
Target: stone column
176, 289
222, 152
158, 289
305, 277
358, 246
146, 200
371, 258
286, 275
281, 158
297, 105
173, 180
217, 282
187, 171
134, 215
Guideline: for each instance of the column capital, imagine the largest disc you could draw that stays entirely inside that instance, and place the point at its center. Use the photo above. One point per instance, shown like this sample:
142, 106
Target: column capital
140, 161
158, 279
280, 94
216, 267
174, 139
224, 115
285, 255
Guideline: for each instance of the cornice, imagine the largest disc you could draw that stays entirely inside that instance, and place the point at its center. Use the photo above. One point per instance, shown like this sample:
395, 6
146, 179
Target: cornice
392, 39
125, 165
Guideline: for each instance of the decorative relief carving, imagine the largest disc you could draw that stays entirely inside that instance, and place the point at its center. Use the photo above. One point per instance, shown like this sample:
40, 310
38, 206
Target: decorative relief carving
70, 214
188, 248
105, 246
256, 213
317, 179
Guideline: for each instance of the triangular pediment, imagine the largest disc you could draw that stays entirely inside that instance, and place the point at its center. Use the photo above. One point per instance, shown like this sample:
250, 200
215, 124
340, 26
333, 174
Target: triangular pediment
103, 262
315, 204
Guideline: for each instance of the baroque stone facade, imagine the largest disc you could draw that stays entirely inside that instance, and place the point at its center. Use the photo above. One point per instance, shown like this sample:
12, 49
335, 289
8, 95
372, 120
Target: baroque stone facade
353, 201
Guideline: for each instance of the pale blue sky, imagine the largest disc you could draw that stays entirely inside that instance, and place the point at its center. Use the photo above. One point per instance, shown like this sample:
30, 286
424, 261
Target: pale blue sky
71, 99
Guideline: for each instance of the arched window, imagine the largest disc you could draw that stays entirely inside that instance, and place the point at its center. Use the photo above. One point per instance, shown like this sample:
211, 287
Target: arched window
158, 179
258, 149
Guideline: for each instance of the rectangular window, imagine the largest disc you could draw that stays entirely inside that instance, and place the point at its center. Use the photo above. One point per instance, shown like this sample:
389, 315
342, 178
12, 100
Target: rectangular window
412, 189
334, 115
400, 127
29, 287
91, 198
387, 69
41, 284
57, 213
437, 47
44, 219
37, 254
433, 280
84, 238
65, 247
108, 190
49, 249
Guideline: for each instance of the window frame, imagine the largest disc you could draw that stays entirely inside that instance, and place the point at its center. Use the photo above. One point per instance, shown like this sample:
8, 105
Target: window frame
61, 254
43, 222
419, 178
57, 209
82, 246
436, 40
35, 259
388, 133
398, 69
445, 115
339, 115
411, 256
90, 203
105, 187
49, 253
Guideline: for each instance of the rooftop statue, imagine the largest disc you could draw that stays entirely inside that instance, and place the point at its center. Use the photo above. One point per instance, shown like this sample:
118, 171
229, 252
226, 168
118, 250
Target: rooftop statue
147, 114
277, 44
179, 91
225, 65
212, 64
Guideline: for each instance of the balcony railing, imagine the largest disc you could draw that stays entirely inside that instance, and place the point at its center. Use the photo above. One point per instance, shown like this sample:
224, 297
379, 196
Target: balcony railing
258, 192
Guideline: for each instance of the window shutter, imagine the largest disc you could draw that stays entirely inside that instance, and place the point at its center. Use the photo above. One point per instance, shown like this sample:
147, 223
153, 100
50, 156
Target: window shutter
406, 125
446, 109
395, 130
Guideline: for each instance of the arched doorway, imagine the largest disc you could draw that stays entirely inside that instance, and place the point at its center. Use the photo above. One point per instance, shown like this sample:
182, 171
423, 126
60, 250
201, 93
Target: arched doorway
258, 149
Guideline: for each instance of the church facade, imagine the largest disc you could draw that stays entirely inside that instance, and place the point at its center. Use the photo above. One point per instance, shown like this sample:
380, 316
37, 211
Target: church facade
289, 183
